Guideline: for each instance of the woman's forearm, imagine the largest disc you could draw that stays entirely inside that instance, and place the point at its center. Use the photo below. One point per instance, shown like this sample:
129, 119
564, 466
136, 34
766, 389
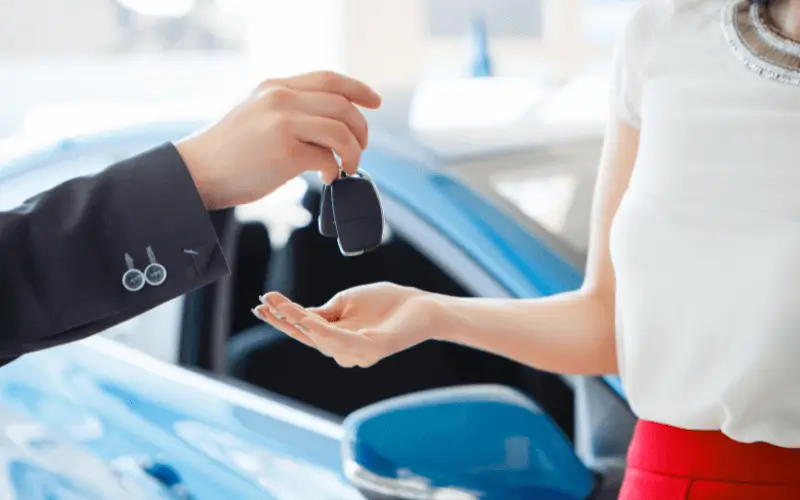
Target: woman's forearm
569, 333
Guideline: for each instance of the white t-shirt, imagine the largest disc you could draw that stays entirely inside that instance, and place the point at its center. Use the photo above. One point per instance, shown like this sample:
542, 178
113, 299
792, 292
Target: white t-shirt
706, 242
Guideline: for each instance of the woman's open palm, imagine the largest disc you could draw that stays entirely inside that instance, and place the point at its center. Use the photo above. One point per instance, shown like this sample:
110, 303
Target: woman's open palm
358, 327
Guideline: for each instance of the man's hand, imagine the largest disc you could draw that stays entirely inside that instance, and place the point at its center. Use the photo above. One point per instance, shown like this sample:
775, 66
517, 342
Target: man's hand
285, 127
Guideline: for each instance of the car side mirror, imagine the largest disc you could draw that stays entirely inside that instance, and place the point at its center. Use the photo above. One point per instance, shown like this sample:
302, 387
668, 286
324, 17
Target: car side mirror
464, 443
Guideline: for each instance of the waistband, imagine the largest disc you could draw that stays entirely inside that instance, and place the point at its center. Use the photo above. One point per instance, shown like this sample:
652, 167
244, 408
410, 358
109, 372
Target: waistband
710, 455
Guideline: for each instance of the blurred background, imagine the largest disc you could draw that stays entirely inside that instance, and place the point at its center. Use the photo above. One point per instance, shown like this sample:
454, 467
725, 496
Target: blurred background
72, 66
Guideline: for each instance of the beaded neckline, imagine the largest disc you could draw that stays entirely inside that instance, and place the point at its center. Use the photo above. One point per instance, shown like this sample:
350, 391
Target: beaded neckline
757, 44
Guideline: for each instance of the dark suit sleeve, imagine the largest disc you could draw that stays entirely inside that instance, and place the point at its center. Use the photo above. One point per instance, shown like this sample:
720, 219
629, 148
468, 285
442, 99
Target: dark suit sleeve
62, 253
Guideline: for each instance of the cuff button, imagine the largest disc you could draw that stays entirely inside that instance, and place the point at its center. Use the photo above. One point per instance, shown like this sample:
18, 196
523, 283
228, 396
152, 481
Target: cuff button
133, 280
155, 274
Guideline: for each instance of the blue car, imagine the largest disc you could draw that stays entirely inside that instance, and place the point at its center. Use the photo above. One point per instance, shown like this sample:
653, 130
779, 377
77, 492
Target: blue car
196, 399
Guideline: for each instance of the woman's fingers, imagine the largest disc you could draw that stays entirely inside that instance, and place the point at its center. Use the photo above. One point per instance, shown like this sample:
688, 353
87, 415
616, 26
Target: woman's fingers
331, 313
348, 347
272, 300
275, 299
316, 327
263, 313
332, 310
285, 315
292, 313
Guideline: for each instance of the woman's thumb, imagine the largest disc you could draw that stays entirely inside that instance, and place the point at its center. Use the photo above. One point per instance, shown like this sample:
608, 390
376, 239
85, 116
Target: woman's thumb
331, 310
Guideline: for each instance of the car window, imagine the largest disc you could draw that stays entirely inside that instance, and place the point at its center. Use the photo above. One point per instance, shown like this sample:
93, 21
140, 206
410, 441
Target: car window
548, 190
556, 199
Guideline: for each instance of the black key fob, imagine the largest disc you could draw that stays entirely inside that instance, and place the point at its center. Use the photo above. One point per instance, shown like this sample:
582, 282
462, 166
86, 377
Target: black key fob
327, 224
357, 213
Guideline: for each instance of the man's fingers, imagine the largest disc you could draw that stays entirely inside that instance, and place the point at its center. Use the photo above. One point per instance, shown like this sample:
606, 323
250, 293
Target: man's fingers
320, 159
336, 107
329, 134
332, 83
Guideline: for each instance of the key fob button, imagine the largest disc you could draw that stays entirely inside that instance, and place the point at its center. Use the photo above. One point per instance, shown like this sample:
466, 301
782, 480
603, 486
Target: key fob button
327, 224
358, 214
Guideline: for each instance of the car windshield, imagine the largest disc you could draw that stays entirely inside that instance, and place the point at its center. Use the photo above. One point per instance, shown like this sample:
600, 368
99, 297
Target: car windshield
548, 188
555, 200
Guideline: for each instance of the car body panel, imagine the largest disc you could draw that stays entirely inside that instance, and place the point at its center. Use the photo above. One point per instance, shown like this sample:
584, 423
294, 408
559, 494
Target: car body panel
109, 402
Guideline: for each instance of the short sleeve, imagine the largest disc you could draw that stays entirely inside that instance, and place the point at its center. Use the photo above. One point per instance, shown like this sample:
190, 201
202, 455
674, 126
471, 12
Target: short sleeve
625, 85
629, 60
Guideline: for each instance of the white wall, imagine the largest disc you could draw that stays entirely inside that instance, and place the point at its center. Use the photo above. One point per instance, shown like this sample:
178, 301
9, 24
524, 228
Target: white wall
52, 26
52, 82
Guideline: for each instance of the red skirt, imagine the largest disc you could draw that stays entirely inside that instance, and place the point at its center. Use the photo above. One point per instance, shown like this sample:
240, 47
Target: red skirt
667, 463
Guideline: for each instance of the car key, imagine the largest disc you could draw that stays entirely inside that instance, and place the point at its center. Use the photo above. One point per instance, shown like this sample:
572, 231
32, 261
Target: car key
327, 225
357, 214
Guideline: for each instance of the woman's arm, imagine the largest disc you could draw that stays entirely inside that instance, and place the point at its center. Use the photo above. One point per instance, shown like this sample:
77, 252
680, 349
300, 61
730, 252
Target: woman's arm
566, 333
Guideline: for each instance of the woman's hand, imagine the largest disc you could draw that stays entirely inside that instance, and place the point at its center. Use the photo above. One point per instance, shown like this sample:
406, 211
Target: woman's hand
358, 327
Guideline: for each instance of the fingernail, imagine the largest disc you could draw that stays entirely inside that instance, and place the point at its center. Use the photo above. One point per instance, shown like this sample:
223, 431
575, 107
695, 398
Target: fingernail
256, 313
301, 327
272, 310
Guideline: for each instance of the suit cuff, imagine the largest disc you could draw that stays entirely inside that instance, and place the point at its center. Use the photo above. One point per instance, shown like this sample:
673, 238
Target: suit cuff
153, 216
75, 244
173, 220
